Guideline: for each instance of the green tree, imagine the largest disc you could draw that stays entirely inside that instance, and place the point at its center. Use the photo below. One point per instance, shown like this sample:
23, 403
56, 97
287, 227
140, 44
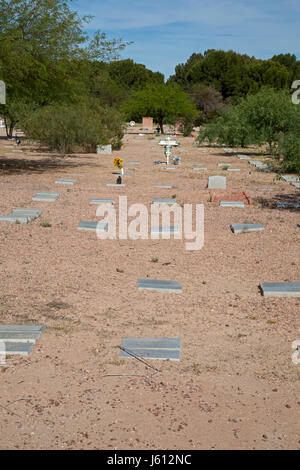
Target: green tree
44, 52
165, 103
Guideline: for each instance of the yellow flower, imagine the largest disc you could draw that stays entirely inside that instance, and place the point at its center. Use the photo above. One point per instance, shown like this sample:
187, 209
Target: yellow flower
118, 162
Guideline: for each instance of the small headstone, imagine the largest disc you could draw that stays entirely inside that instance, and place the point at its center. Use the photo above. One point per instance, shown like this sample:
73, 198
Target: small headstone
217, 182
290, 178
66, 181
134, 163
21, 215
224, 164
264, 189
245, 228
280, 289
168, 168
151, 343
232, 204
12, 337
101, 201
164, 201
104, 149
297, 185
87, 225
163, 186
46, 197
116, 185
233, 169
21, 328
171, 229
157, 285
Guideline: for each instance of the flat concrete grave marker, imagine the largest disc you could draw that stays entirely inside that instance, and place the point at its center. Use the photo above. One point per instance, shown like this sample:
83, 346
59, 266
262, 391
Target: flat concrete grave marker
290, 178
19, 347
87, 225
243, 157
21, 215
170, 229
152, 348
101, 201
161, 286
217, 182
26, 337
66, 181
232, 204
234, 169
134, 162
104, 149
224, 164
245, 228
280, 289
163, 186
196, 164
46, 197
164, 201
264, 189
116, 184
287, 205
168, 168
21, 328
297, 185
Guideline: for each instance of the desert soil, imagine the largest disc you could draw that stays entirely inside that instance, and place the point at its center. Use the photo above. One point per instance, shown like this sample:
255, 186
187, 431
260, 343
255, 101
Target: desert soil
235, 385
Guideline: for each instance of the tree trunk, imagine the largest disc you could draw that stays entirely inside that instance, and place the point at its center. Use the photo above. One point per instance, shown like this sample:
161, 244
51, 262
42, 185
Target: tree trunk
11, 129
161, 126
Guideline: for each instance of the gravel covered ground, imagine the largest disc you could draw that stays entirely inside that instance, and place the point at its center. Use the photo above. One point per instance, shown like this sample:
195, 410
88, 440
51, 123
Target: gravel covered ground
235, 385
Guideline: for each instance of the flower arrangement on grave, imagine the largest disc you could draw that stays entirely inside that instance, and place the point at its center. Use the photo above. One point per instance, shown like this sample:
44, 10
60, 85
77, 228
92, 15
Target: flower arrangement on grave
118, 162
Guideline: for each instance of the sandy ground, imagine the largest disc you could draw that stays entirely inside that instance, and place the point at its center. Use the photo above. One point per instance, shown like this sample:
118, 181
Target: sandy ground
235, 385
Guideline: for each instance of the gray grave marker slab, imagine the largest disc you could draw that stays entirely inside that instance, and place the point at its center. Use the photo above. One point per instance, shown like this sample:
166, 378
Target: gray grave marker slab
163, 186
232, 204
151, 343
164, 201
264, 189
234, 169
245, 228
280, 289
162, 354
87, 225
297, 185
287, 205
217, 182
66, 181
157, 285
21, 215
196, 164
290, 178
122, 185
13, 337
101, 201
224, 164
12, 348
47, 197
198, 168
104, 149
202, 168
171, 229
21, 328
134, 162
168, 168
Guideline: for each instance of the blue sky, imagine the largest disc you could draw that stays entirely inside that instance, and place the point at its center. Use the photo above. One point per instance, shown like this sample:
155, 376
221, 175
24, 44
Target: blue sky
167, 32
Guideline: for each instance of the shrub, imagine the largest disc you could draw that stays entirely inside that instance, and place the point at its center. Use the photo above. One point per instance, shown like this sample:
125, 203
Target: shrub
64, 127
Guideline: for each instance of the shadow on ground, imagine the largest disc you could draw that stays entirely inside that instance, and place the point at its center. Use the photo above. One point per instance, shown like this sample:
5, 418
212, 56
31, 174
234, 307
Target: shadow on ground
270, 203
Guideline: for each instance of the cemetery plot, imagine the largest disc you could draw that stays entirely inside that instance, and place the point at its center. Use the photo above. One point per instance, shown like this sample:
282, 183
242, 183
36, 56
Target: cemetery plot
23, 216
90, 225
152, 348
47, 197
66, 181
157, 285
245, 228
280, 289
